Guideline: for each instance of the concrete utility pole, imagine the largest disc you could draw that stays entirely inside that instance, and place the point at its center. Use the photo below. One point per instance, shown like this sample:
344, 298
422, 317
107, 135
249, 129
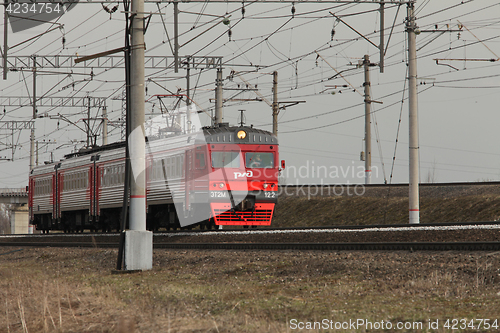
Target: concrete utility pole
275, 103
89, 132
188, 100
411, 28
381, 45
104, 126
218, 98
32, 134
176, 37
368, 133
5, 34
138, 241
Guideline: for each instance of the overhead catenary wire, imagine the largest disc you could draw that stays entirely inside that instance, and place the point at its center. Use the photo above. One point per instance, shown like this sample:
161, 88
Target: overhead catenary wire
302, 87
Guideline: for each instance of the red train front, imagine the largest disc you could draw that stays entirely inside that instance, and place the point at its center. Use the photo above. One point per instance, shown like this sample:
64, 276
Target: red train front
243, 182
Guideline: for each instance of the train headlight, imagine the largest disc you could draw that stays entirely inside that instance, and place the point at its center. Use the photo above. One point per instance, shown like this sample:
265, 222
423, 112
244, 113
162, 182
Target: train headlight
221, 185
265, 185
241, 135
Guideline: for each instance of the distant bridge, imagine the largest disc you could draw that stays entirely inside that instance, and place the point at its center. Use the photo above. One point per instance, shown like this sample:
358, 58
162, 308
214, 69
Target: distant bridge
19, 219
13, 196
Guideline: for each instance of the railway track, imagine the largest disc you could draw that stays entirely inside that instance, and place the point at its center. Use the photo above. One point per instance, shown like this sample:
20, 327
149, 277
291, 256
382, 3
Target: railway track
453, 184
484, 236
373, 246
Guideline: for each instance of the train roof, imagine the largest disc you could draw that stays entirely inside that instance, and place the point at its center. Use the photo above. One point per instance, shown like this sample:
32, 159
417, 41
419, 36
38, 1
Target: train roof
233, 134
221, 133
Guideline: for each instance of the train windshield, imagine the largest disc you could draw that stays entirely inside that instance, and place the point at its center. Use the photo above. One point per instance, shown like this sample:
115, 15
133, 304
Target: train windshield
259, 160
225, 159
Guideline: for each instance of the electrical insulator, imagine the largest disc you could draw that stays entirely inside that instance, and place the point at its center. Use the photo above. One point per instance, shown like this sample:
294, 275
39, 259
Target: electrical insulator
243, 11
230, 33
333, 32
293, 10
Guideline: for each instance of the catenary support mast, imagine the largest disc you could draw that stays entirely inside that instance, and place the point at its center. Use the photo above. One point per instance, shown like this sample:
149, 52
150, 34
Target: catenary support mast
138, 241
411, 28
218, 98
275, 103
368, 133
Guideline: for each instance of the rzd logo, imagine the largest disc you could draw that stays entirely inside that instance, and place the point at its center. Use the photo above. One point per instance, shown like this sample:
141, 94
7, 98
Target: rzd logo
243, 174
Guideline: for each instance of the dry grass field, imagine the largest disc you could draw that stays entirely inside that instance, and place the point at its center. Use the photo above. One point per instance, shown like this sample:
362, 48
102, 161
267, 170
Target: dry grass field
74, 290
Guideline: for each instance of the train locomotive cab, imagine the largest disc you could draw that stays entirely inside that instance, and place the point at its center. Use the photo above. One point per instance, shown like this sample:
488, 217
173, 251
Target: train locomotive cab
243, 180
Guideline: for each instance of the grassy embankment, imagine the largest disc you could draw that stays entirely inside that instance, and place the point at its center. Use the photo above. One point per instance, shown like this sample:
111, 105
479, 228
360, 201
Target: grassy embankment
378, 208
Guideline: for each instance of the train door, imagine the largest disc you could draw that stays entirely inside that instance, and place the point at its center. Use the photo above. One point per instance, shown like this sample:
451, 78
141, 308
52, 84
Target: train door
91, 192
58, 189
97, 190
188, 178
31, 192
93, 180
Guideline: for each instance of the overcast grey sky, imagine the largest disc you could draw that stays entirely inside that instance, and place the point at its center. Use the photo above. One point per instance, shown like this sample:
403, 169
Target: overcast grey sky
458, 100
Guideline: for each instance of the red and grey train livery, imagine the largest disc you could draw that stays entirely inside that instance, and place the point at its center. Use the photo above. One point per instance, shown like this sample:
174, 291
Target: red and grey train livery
223, 175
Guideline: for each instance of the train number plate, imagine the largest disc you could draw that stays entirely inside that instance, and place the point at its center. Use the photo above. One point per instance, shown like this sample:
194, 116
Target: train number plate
270, 194
218, 194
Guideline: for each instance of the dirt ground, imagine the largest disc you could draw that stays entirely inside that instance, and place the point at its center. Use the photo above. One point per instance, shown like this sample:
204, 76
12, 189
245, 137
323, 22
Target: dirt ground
74, 290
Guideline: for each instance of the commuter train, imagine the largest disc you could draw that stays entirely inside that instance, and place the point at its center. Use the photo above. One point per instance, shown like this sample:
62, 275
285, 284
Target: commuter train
222, 175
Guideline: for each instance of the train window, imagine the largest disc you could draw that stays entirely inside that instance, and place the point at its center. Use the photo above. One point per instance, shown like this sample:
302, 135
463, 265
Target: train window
179, 165
259, 160
183, 171
228, 159
174, 166
200, 160
157, 169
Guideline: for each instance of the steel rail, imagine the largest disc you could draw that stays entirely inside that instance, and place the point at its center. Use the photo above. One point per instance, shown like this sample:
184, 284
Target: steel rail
369, 246
396, 185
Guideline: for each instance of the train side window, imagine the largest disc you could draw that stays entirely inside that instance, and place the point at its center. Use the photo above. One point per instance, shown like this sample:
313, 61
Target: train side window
183, 171
200, 161
175, 163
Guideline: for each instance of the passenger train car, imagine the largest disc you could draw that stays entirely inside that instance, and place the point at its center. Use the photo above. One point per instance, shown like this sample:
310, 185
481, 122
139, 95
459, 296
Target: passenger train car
223, 175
